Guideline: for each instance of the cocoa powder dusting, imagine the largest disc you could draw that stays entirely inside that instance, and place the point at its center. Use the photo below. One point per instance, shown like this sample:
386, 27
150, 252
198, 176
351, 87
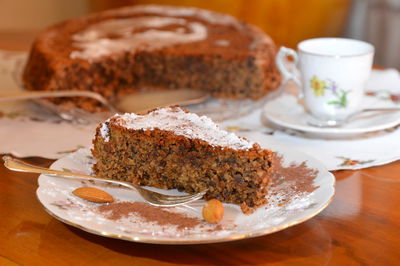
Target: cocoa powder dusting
296, 179
287, 182
159, 215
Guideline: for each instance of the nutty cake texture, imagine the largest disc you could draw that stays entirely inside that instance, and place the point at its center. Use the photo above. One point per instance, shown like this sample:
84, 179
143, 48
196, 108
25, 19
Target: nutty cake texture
152, 47
172, 148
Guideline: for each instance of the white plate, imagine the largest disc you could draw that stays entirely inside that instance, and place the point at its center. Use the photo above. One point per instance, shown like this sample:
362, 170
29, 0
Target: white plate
286, 111
55, 195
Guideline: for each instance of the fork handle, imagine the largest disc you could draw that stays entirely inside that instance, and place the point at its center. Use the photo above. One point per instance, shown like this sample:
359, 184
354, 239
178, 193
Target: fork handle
26, 95
21, 166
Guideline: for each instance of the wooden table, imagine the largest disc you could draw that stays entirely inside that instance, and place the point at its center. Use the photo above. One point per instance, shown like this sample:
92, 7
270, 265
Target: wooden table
361, 226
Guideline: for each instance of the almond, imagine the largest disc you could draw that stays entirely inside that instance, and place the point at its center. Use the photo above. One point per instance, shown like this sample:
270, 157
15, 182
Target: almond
93, 194
213, 211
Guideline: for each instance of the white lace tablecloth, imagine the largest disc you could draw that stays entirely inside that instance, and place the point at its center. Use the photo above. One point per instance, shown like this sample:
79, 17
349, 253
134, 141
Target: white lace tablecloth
26, 131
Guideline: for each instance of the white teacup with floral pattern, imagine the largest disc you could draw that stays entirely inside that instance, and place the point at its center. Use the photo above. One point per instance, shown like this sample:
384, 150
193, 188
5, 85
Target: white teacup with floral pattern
333, 73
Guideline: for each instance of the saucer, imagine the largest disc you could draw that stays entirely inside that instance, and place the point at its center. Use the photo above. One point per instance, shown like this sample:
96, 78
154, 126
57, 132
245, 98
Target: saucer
285, 111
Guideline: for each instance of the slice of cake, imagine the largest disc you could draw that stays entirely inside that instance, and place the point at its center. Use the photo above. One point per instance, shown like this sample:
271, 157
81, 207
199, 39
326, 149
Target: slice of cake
155, 47
172, 148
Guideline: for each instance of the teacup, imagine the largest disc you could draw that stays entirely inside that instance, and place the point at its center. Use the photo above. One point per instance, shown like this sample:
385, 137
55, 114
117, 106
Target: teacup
333, 73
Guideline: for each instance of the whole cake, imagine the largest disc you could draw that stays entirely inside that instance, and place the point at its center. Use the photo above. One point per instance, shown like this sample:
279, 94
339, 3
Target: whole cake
172, 148
152, 47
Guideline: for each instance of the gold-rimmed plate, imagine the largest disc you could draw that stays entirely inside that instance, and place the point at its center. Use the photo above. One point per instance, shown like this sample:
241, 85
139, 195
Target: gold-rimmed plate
285, 209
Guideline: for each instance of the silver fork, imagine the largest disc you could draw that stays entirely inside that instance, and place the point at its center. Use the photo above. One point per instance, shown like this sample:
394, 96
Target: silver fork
152, 197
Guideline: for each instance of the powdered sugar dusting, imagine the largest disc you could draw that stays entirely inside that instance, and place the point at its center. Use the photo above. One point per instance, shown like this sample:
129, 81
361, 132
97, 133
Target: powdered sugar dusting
94, 41
190, 125
146, 28
105, 131
180, 11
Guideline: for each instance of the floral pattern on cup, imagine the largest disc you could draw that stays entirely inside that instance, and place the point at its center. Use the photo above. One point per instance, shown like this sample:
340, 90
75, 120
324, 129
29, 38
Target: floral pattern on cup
320, 87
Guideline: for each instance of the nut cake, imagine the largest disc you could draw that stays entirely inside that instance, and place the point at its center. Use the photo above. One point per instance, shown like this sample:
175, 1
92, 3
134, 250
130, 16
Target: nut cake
172, 148
120, 51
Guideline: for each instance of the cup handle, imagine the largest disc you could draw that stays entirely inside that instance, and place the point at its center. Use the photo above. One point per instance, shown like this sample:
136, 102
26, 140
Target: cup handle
281, 57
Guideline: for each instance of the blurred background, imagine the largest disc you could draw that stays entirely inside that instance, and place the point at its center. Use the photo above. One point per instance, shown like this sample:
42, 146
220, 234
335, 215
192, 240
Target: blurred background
286, 21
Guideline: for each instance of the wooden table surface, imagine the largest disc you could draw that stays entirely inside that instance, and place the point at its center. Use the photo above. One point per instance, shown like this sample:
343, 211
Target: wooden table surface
360, 227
